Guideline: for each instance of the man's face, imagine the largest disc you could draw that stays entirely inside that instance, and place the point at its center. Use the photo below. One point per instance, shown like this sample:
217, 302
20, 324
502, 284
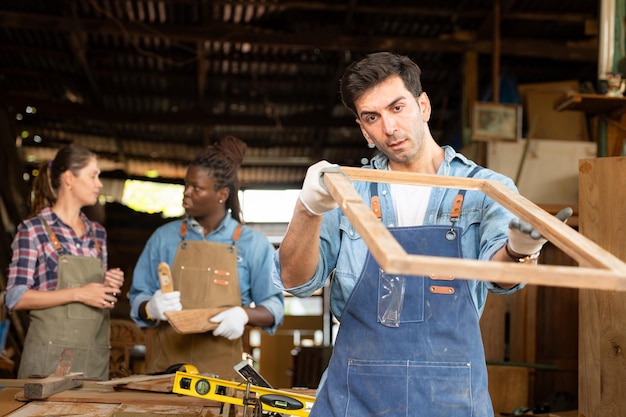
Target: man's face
200, 198
393, 120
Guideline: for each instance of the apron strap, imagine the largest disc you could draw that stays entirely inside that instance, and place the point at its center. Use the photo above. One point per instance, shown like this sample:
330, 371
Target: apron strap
236, 233
52, 236
455, 214
55, 240
183, 230
375, 200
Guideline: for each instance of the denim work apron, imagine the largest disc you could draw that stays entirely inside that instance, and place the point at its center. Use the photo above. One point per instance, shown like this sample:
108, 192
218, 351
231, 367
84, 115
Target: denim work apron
432, 364
78, 326
206, 275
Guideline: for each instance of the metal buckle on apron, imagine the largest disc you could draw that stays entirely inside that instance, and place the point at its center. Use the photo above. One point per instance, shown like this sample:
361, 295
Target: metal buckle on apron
454, 216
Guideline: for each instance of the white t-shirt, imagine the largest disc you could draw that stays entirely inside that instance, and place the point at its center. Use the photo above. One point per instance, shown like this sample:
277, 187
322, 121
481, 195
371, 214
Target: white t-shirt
410, 202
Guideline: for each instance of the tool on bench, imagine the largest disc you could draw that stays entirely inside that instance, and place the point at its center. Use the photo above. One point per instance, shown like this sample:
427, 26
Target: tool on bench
62, 379
259, 398
196, 320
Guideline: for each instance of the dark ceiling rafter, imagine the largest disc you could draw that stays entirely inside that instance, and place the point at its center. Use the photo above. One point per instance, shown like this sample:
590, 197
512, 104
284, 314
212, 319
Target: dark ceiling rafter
238, 34
155, 80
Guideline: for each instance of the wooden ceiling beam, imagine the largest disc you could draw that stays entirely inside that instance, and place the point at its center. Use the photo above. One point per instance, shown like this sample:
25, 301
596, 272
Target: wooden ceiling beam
557, 50
316, 119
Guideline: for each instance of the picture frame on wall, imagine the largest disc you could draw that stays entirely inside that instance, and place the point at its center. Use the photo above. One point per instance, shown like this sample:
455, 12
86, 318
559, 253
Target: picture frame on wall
496, 121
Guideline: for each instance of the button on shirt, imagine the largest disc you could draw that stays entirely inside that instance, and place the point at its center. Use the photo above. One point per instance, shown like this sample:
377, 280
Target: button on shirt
342, 251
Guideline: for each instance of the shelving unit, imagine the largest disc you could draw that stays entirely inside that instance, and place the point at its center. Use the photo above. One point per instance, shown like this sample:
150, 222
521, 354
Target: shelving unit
611, 114
592, 104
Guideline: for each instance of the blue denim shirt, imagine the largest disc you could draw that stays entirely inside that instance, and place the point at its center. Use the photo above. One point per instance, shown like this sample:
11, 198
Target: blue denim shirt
254, 266
343, 252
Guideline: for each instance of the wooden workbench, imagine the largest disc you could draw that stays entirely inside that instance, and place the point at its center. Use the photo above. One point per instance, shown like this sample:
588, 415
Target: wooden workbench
98, 401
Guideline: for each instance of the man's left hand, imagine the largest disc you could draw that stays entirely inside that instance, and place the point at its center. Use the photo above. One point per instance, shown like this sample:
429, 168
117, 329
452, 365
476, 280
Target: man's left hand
525, 240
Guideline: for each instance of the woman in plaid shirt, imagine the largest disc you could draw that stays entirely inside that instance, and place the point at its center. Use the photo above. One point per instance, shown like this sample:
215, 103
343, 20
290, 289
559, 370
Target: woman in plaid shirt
57, 271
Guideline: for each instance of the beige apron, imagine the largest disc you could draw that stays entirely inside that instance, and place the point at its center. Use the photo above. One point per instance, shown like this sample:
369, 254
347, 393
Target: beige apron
83, 328
206, 275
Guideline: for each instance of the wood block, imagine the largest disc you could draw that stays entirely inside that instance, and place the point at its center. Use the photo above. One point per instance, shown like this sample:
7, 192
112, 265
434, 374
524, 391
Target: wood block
8, 403
50, 408
194, 320
508, 387
109, 396
602, 336
43, 388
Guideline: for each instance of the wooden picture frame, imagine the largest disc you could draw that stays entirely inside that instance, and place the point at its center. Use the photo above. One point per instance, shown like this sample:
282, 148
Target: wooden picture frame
495, 121
598, 269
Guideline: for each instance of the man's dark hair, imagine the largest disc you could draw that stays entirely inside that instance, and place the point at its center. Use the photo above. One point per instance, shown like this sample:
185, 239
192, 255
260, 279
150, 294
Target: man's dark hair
375, 68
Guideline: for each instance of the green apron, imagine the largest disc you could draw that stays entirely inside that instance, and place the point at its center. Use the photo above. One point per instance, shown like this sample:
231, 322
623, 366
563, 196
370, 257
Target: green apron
78, 326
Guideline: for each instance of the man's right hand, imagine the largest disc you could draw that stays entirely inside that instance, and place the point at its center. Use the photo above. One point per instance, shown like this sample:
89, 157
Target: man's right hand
314, 195
162, 302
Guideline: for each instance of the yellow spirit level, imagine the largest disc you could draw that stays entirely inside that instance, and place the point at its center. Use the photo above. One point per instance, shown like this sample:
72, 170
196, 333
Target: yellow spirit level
277, 401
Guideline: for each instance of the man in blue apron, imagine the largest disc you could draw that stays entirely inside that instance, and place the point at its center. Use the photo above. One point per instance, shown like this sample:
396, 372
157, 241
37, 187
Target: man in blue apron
407, 345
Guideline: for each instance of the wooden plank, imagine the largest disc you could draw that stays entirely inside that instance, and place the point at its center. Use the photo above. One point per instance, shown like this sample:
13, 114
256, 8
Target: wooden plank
42, 388
392, 257
508, 387
602, 335
194, 320
162, 385
148, 410
152, 383
8, 403
134, 378
48, 408
186, 321
109, 396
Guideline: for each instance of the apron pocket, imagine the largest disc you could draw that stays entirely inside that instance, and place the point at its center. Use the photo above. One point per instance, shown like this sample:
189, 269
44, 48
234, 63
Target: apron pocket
404, 388
396, 290
215, 288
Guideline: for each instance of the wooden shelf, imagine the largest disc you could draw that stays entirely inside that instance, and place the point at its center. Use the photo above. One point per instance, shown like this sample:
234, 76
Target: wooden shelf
591, 103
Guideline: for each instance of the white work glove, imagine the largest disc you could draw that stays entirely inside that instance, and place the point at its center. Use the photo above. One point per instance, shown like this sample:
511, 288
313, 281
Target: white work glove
231, 323
314, 195
162, 302
525, 240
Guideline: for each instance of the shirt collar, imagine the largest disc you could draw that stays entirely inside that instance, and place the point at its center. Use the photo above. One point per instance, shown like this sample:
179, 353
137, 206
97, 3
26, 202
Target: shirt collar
51, 218
198, 228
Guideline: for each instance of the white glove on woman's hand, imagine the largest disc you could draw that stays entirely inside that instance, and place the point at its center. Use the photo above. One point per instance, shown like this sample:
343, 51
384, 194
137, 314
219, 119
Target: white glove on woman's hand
162, 302
231, 323
314, 195
525, 240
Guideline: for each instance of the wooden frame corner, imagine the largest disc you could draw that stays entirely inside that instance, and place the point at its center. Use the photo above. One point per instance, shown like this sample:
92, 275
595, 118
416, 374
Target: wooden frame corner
598, 269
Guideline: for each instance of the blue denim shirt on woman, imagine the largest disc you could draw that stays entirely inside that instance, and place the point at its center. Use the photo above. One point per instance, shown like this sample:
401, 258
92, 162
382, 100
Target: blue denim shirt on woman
342, 251
254, 266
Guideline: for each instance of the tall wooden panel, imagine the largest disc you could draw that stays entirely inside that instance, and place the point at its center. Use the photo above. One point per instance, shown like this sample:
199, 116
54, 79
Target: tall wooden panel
602, 336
